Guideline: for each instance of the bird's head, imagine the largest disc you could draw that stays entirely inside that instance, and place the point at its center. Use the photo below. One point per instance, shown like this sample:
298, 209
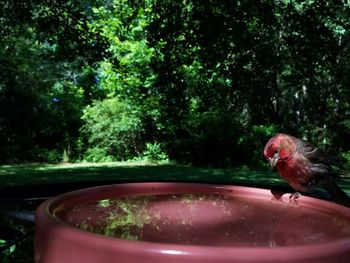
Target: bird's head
279, 149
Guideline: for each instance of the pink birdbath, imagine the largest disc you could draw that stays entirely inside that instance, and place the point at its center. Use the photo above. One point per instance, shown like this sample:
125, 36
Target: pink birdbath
187, 223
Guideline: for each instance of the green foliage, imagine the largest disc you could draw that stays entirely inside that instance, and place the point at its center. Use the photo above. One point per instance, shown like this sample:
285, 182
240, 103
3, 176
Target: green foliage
96, 155
154, 154
206, 82
41, 86
114, 129
6, 255
211, 139
346, 157
253, 143
48, 156
126, 72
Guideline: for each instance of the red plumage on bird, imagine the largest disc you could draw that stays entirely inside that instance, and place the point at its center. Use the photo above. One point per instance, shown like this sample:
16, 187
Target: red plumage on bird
303, 166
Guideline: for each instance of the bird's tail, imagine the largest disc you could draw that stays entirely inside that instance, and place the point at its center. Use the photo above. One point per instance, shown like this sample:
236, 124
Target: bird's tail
337, 194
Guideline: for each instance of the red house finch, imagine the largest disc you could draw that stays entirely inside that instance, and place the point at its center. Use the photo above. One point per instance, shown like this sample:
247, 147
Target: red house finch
303, 166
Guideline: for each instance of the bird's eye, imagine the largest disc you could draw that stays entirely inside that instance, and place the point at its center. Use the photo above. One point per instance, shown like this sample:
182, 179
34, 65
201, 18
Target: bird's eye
276, 151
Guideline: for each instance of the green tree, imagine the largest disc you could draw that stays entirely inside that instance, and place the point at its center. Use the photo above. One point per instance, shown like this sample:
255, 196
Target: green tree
114, 129
125, 76
201, 79
44, 46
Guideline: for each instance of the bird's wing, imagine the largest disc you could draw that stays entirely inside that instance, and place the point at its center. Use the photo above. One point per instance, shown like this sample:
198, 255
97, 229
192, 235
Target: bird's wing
315, 154
317, 163
320, 164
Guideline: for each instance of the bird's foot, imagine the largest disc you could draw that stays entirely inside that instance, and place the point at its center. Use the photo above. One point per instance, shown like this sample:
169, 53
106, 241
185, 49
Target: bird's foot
294, 196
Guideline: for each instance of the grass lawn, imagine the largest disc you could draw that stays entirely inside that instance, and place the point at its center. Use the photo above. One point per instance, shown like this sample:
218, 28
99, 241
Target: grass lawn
39, 176
118, 172
30, 174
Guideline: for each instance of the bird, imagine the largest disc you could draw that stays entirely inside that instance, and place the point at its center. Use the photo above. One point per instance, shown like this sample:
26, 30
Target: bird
304, 166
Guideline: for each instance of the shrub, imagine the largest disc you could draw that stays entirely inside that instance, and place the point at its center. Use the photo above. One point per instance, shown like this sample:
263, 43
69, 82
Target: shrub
154, 153
97, 155
113, 128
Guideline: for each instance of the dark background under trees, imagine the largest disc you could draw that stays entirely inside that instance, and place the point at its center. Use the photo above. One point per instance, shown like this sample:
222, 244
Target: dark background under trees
205, 82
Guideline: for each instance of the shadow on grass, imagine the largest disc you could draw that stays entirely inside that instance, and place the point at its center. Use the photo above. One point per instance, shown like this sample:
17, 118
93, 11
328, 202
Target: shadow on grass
43, 180
34, 180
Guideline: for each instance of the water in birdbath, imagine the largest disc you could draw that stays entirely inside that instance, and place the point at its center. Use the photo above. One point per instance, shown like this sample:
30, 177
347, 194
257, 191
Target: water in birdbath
206, 219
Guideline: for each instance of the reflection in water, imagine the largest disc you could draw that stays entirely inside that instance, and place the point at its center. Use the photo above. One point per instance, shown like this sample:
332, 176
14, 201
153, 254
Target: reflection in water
207, 219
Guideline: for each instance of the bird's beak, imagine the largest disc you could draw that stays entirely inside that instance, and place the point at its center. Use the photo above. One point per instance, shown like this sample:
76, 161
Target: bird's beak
273, 161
